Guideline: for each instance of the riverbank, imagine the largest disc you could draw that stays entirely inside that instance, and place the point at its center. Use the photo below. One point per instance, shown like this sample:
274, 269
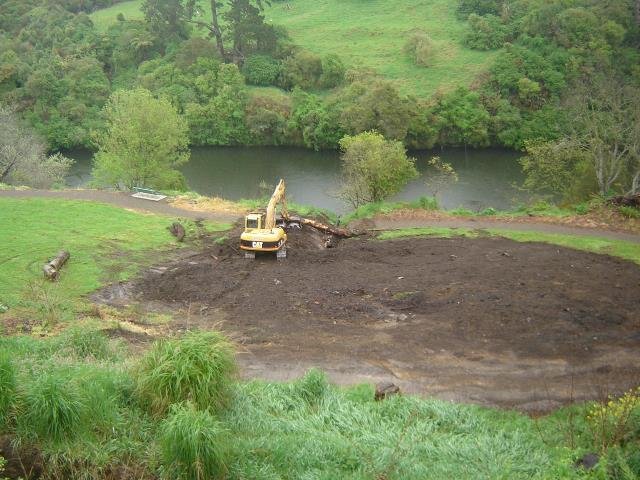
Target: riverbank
601, 222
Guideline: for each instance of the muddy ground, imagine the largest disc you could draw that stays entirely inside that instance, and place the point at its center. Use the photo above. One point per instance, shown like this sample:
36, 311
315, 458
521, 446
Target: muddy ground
484, 320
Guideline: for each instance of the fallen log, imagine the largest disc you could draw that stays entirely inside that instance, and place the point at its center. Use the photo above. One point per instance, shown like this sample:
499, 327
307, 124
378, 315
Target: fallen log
338, 232
51, 269
177, 230
626, 200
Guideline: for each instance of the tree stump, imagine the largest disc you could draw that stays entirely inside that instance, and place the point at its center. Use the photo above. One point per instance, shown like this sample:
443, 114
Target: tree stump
51, 269
386, 389
177, 230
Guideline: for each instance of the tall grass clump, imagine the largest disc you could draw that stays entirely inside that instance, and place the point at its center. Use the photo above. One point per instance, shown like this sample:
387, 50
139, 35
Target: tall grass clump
55, 409
199, 367
312, 387
193, 445
7, 387
86, 343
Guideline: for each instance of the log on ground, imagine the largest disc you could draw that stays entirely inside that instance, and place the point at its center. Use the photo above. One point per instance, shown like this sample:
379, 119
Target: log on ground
52, 268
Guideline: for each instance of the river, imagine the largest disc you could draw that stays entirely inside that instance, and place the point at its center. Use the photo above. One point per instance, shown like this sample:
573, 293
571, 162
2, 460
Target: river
487, 178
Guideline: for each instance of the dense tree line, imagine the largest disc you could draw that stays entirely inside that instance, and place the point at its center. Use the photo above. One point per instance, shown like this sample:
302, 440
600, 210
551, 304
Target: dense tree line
59, 71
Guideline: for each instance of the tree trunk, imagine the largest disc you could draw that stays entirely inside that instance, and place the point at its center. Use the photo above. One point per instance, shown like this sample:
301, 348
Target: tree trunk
52, 269
338, 232
638, 12
215, 29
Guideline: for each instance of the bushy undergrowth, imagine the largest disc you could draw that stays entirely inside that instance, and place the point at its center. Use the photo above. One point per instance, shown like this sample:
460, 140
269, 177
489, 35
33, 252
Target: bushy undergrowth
7, 386
194, 444
198, 367
76, 402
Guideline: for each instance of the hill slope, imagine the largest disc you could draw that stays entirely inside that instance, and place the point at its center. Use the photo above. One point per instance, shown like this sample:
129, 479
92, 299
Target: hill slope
370, 34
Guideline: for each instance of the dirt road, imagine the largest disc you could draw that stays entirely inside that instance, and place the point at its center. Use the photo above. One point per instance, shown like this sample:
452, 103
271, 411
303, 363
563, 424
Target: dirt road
125, 200
121, 199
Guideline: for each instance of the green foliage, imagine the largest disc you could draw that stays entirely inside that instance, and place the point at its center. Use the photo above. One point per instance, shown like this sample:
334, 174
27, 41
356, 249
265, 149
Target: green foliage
420, 48
303, 70
485, 33
373, 168
55, 408
261, 70
198, 367
312, 387
220, 120
552, 168
629, 212
373, 105
333, 71
7, 389
463, 119
315, 121
145, 141
194, 445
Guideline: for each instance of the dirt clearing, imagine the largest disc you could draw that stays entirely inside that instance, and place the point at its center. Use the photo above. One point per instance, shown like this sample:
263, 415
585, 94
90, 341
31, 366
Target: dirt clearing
483, 320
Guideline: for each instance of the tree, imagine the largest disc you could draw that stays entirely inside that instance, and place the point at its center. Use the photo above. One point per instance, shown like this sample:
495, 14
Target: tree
144, 141
23, 159
244, 24
373, 168
439, 176
463, 119
606, 114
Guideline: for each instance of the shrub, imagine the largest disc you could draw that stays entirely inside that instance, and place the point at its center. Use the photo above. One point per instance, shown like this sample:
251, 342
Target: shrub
197, 367
193, 445
421, 49
485, 33
301, 70
333, 71
7, 387
55, 408
261, 70
615, 421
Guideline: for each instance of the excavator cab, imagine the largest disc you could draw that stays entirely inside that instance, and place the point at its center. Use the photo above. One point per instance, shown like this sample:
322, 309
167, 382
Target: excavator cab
254, 221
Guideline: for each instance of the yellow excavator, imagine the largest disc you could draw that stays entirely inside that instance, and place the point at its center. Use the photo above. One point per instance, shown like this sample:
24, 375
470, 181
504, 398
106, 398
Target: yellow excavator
264, 232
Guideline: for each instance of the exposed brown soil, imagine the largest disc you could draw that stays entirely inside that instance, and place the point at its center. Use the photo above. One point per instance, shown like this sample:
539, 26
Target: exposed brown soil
484, 320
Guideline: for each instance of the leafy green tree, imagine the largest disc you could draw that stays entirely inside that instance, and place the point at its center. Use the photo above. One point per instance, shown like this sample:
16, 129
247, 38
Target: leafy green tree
373, 168
374, 105
221, 120
304, 70
551, 167
317, 123
485, 33
261, 70
144, 142
463, 119
333, 71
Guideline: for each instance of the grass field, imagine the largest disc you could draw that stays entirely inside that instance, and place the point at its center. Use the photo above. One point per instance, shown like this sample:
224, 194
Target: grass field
616, 248
370, 34
106, 244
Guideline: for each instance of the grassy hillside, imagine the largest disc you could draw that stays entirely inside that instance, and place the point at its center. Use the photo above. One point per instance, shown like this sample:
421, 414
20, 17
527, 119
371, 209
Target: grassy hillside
370, 34
106, 244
